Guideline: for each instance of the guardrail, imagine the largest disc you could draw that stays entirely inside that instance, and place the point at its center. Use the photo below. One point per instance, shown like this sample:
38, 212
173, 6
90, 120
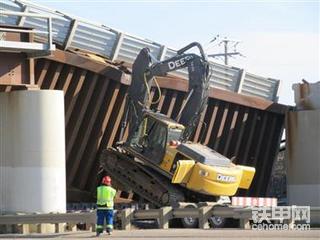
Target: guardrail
163, 215
33, 49
58, 219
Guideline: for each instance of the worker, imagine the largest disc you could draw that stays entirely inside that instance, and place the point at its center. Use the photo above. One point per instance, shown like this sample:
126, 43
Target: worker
105, 197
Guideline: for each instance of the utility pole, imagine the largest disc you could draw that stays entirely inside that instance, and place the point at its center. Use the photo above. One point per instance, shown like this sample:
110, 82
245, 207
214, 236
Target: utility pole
226, 53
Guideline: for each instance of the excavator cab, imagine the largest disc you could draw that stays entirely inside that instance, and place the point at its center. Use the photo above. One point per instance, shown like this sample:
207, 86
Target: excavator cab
153, 135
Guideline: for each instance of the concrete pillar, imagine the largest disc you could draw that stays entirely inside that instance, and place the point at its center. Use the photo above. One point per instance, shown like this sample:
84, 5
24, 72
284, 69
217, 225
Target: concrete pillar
32, 151
303, 158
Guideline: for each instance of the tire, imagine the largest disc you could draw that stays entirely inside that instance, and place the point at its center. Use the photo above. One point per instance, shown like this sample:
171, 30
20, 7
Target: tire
189, 222
217, 222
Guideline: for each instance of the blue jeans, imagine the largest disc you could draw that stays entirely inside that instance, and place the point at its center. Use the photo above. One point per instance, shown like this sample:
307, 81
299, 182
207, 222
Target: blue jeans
104, 214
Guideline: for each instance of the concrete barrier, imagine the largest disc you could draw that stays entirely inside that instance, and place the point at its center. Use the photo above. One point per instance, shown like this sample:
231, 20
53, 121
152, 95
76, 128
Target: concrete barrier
163, 215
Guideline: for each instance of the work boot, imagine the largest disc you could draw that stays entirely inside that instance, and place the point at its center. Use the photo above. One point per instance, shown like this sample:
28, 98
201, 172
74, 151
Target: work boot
109, 231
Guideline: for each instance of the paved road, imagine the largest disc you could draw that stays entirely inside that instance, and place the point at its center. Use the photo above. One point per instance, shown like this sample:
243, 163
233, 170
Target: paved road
179, 234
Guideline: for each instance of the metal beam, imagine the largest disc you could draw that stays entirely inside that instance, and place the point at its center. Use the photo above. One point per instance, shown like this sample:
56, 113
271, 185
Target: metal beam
55, 77
42, 72
76, 60
169, 82
74, 126
14, 46
172, 103
200, 125
70, 35
116, 48
74, 96
211, 123
242, 74
23, 18
221, 127
92, 149
162, 54
89, 128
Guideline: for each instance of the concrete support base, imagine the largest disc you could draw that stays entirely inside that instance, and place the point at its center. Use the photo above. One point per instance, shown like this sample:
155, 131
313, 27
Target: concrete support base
126, 216
165, 214
204, 214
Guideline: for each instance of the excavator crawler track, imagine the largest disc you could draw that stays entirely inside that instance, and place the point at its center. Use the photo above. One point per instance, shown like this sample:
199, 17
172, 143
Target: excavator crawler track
148, 184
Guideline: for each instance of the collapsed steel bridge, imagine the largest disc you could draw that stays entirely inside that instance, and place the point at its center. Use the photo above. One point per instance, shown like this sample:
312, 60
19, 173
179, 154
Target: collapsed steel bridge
95, 86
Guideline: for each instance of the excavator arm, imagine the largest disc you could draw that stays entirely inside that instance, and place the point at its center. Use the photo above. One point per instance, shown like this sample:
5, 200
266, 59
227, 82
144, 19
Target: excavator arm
146, 67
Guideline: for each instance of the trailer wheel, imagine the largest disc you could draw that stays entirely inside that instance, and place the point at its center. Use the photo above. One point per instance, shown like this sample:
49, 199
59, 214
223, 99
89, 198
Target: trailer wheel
189, 222
217, 222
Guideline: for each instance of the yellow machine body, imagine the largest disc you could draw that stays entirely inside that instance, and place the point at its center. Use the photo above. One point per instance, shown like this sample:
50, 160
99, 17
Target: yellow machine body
211, 180
193, 165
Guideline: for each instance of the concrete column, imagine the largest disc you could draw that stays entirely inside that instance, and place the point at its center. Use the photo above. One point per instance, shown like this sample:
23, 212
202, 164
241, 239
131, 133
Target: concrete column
32, 151
303, 157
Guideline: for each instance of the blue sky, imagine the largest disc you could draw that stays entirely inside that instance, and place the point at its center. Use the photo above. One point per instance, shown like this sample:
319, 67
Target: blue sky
280, 39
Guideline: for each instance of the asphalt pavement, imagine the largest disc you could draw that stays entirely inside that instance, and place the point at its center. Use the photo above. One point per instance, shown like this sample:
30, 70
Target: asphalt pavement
167, 234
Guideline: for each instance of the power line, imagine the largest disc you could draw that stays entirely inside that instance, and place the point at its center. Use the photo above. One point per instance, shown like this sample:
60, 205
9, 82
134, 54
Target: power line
226, 54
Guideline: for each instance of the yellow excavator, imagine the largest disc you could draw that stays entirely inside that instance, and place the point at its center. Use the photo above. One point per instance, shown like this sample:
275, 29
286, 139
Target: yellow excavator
158, 162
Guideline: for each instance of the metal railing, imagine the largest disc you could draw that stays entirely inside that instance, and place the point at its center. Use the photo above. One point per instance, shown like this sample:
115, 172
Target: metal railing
76, 33
32, 47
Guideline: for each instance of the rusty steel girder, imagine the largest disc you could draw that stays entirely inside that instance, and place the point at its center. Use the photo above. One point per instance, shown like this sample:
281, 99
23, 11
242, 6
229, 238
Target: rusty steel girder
244, 127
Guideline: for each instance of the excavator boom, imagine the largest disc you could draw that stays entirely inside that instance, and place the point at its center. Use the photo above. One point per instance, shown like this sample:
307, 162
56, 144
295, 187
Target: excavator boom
146, 67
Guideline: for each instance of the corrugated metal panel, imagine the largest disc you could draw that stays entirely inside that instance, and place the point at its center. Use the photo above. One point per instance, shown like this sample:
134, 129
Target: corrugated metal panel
224, 77
169, 53
94, 39
60, 24
103, 41
9, 6
131, 46
259, 86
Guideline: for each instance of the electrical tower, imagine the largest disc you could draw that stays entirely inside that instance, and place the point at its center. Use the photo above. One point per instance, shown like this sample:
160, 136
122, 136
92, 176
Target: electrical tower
226, 43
